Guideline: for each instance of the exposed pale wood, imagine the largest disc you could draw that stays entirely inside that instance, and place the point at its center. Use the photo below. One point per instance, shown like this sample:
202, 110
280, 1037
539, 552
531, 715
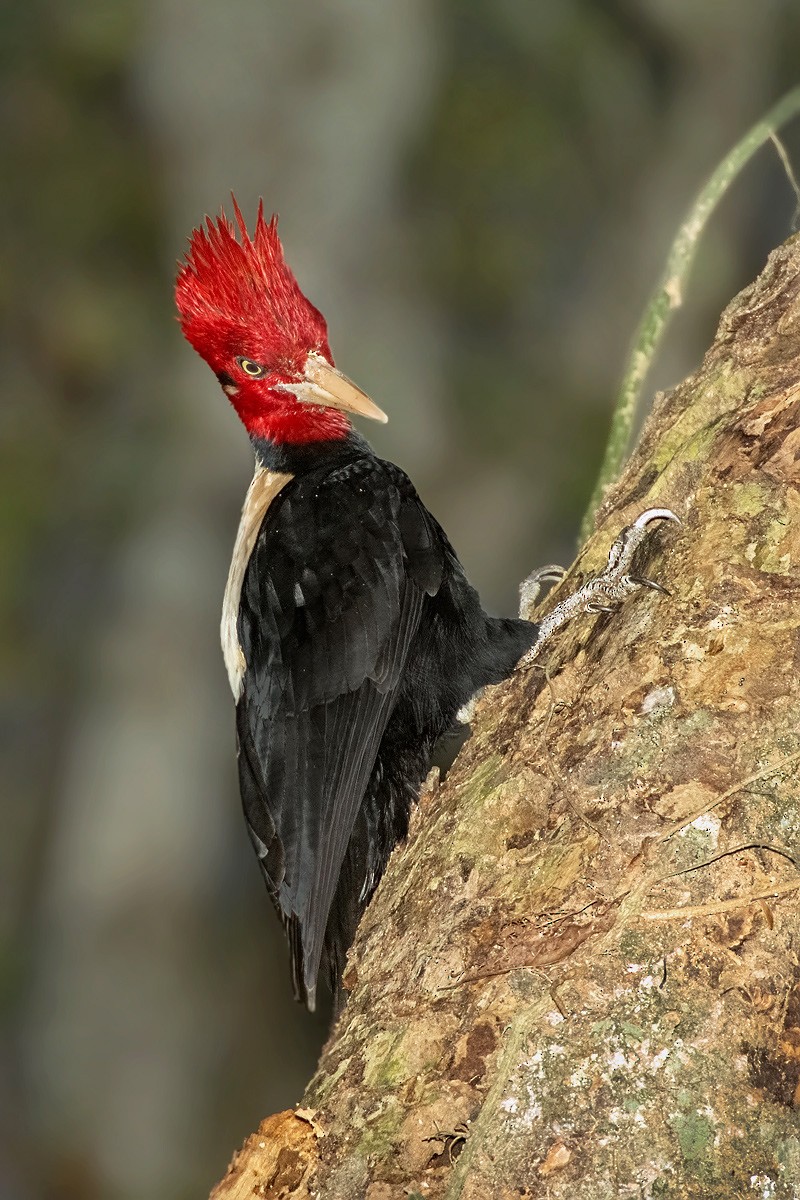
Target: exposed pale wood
275, 1161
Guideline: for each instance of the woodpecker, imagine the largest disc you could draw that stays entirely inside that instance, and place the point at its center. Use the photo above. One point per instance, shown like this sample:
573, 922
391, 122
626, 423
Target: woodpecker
351, 636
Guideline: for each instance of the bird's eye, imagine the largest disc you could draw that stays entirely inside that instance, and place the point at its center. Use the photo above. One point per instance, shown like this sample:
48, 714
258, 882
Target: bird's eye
250, 368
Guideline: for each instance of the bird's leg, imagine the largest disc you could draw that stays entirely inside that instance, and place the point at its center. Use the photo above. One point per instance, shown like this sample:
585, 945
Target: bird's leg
601, 594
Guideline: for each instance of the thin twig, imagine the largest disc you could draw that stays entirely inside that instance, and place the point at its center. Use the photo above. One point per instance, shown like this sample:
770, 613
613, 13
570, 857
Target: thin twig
726, 854
668, 295
701, 910
790, 175
737, 787
576, 912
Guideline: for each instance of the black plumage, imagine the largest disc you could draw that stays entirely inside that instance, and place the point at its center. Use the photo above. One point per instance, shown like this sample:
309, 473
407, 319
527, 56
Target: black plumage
362, 640
350, 634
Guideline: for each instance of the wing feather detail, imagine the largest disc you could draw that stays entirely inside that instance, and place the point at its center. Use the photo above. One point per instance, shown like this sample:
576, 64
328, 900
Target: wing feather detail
331, 602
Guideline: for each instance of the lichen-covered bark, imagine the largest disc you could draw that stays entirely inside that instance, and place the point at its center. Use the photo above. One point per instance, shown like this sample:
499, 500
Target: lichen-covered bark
580, 976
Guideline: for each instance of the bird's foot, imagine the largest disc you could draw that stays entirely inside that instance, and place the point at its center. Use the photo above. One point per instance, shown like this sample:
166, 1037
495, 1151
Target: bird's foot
531, 588
605, 592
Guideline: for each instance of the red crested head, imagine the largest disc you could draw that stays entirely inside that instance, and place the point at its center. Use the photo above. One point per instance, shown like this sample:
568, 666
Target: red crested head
239, 298
241, 308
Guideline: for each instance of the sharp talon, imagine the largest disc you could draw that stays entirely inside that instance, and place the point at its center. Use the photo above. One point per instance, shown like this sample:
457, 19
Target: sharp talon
649, 583
598, 608
532, 587
549, 574
655, 514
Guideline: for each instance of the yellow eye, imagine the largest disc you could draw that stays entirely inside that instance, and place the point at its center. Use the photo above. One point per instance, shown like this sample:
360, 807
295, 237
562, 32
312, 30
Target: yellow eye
250, 368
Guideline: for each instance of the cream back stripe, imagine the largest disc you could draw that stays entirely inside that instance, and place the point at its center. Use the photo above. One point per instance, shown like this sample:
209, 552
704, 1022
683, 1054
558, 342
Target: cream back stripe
263, 489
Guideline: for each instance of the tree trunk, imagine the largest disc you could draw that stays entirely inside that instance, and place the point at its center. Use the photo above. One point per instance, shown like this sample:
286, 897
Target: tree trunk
580, 975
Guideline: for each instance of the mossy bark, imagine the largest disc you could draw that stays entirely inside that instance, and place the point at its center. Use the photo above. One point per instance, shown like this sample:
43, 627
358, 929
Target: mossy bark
580, 975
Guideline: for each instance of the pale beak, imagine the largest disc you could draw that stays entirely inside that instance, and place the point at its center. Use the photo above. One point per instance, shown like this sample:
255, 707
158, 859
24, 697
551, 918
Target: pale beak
323, 384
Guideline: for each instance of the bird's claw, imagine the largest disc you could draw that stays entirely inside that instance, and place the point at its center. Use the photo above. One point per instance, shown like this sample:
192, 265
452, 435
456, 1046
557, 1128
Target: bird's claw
655, 514
649, 583
531, 588
631, 537
605, 593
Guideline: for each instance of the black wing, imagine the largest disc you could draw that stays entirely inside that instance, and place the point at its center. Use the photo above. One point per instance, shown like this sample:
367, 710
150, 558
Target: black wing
332, 598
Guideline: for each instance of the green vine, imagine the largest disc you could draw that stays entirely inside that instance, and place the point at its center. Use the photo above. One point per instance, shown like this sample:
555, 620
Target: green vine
668, 295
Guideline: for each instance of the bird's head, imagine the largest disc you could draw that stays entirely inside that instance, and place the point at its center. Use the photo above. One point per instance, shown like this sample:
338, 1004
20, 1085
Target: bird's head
241, 308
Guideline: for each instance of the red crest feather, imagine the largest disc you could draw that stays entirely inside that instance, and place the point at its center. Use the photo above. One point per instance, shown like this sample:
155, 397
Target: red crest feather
240, 297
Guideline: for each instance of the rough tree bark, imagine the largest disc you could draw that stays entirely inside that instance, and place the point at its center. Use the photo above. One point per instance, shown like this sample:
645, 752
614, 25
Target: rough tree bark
580, 976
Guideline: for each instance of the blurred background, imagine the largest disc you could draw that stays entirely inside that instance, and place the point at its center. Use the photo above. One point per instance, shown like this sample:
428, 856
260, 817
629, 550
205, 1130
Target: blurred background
479, 196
